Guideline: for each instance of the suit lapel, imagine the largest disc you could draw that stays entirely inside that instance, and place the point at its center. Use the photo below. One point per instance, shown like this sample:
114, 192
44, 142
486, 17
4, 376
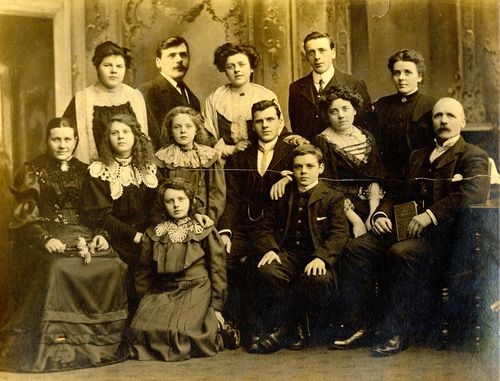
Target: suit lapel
167, 87
306, 89
450, 155
280, 151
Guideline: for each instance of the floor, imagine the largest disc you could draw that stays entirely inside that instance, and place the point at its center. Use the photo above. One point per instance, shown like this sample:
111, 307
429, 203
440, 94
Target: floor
416, 363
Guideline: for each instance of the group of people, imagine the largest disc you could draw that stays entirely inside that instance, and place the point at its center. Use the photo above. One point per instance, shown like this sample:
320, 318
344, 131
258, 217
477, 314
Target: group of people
155, 230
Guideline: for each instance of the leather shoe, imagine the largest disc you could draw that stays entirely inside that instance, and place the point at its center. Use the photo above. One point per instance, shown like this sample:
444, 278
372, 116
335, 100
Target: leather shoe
274, 341
298, 340
254, 344
390, 347
351, 340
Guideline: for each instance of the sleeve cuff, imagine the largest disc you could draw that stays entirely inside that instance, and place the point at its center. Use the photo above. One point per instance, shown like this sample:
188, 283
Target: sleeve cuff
226, 231
377, 215
432, 216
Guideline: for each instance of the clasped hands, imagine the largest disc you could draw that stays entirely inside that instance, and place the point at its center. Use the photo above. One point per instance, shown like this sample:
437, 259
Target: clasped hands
54, 245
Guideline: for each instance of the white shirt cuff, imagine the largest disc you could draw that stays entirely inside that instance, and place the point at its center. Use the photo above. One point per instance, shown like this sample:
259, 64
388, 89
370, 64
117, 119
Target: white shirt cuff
432, 216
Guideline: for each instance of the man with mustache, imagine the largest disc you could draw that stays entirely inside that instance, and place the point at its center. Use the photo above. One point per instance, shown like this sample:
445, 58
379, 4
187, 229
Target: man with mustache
304, 93
168, 90
443, 180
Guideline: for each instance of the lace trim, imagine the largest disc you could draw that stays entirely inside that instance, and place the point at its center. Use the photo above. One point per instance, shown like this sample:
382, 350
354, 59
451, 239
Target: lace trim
176, 157
177, 231
330, 137
119, 176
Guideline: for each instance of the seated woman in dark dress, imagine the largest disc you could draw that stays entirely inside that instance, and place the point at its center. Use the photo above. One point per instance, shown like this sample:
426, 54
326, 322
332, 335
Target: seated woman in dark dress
351, 157
93, 107
68, 307
120, 189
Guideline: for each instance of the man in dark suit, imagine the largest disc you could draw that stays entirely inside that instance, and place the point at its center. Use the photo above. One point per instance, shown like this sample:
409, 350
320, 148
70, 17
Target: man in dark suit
303, 95
168, 90
249, 177
443, 179
297, 246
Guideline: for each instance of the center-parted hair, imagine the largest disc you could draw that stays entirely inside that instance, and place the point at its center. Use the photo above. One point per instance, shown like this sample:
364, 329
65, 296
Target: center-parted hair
109, 48
228, 49
166, 130
170, 42
142, 150
338, 92
306, 149
409, 55
264, 105
176, 183
58, 123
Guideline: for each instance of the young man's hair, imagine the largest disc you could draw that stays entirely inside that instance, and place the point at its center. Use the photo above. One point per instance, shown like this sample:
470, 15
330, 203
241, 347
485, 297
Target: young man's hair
315, 35
409, 55
306, 149
264, 105
170, 42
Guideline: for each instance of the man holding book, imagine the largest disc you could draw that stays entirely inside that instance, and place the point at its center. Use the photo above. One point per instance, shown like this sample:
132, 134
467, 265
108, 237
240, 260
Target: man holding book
443, 180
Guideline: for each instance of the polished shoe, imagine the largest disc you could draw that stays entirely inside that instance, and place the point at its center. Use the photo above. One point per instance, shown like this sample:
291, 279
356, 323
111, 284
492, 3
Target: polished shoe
230, 335
274, 341
298, 340
355, 338
389, 347
254, 344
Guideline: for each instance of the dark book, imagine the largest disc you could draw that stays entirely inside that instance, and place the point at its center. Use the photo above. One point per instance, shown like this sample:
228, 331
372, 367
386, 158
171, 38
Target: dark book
403, 213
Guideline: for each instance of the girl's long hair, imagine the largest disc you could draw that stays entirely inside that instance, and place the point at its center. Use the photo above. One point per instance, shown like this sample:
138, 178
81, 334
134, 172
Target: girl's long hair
160, 214
142, 150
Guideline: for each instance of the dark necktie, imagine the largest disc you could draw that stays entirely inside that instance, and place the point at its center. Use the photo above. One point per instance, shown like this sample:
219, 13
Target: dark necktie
182, 87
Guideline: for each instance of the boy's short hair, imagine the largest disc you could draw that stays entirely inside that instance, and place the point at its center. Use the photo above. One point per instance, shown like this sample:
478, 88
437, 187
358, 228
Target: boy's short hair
170, 42
306, 149
315, 35
264, 105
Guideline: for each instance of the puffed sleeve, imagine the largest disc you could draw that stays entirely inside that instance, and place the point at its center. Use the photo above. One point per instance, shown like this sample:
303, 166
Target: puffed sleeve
210, 117
26, 215
216, 254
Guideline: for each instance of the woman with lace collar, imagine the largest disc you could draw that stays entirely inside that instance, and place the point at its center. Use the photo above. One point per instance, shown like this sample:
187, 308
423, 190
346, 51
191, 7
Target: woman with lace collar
352, 161
93, 107
182, 281
198, 164
57, 318
121, 187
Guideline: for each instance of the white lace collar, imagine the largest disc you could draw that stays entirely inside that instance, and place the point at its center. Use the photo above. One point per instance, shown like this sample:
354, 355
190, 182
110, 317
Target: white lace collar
123, 173
176, 157
178, 230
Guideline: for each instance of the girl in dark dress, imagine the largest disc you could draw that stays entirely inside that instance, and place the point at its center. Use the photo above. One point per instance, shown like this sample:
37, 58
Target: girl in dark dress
92, 108
351, 157
197, 163
120, 189
182, 278
68, 309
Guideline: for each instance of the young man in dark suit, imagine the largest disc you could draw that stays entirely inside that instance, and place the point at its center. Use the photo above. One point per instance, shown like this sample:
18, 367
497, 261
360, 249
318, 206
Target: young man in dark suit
167, 89
443, 179
303, 96
297, 246
249, 177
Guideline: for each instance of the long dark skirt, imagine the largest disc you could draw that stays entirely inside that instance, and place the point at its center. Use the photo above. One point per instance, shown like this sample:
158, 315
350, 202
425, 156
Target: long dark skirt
64, 314
176, 323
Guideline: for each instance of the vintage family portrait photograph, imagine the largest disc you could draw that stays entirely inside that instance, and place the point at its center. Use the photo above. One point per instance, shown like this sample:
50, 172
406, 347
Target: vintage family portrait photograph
249, 190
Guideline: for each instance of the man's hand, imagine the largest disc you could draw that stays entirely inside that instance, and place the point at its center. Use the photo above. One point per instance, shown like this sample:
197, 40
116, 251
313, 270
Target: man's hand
417, 224
53, 245
295, 140
315, 267
203, 220
278, 188
100, 243
382, 225
358, 229
138, 237
241, 146
269, 258
226, 241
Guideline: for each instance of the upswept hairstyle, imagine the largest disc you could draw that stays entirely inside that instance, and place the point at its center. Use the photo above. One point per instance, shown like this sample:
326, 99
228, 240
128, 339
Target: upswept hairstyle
338, 92
169, 42
109, 48
411, 56
264, 105
305, 149
315, 35
228, 49
142, 150
176, 183
166, 129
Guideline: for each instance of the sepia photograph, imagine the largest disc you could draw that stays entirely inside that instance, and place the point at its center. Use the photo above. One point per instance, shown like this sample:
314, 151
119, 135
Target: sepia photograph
249, 190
